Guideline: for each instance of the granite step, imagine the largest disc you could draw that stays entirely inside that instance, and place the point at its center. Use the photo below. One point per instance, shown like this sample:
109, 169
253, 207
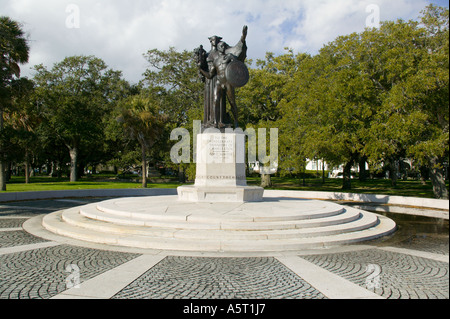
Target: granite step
356, 221
163, 223
205, 222
182, 241
170, 209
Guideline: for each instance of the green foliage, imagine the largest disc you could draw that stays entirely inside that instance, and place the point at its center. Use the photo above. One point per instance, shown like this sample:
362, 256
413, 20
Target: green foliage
72, 97
142, 122
75, 98
174, 75
381, 95
14, 50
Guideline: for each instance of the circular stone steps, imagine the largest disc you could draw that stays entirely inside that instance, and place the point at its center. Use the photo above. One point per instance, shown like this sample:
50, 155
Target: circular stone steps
214, 222
163, 222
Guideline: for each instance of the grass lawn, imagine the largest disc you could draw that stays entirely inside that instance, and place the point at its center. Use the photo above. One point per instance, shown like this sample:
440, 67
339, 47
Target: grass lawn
17, 184
375, 186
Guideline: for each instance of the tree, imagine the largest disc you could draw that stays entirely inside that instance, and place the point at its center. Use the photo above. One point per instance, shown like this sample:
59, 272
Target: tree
410, 68
14, 50
259, 101
293, 154
381, 94
143, 122
74, 98
174, 75
173, 78
428, 91
22, 119
329, 106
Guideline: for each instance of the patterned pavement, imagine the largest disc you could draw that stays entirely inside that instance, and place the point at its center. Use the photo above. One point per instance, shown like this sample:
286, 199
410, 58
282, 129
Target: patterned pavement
219, 278
35, 268
400, 276
43, 273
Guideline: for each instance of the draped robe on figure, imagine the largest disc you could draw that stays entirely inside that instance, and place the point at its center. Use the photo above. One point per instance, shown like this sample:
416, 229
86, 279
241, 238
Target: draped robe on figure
212, 117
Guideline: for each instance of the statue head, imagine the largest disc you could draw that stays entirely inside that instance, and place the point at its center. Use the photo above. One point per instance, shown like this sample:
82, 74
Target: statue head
222, 47
215, 40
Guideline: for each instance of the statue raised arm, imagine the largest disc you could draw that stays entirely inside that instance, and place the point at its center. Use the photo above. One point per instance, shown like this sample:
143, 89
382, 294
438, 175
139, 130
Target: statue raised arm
240, 49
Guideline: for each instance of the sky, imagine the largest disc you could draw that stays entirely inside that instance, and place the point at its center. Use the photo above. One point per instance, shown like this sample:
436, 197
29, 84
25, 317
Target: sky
120, 32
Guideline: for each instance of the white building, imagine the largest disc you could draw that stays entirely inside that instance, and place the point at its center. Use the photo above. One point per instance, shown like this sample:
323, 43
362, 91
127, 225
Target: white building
334, 172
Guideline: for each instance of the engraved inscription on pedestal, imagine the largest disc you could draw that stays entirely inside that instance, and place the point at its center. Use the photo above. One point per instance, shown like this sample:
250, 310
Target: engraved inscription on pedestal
221, 160
220, 149
221, 171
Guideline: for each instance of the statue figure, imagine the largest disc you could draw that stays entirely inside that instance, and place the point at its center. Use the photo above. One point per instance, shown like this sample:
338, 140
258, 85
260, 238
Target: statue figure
222, 70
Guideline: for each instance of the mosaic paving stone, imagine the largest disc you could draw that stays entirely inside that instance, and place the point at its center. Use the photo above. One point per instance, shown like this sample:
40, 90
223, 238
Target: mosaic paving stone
11, 222
42, 273
219, 278
400, 276
18, 238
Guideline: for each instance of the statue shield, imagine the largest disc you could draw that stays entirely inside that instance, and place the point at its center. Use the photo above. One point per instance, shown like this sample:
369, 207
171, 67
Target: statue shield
237, 74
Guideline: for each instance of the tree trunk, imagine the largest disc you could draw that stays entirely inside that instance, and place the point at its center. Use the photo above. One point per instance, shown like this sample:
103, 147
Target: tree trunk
393, 172
323, 171
181, 174
2, 175
2, 163
144, 167
394, 178
362, 169
50, 168
266, 181
8, 171
424, 174
347, 176
27, 169
73, 163
437, 179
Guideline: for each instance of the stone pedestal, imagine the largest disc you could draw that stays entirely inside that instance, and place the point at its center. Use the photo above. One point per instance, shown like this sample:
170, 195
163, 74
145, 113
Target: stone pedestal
220, 171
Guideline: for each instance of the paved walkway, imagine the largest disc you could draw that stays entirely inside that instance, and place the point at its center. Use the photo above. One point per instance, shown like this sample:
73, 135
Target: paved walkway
36, 268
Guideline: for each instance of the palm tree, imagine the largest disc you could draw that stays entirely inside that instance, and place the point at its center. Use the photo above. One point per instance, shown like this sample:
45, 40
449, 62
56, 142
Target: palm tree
144, 123
23, 119
14, 50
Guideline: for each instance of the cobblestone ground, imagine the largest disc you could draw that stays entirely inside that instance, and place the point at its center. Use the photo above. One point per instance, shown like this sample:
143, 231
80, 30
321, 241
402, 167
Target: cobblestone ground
12, 223
219, 278
399, 276
17, 238
43, 273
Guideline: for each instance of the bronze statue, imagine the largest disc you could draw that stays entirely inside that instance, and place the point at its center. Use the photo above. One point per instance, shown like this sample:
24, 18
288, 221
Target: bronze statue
223, 70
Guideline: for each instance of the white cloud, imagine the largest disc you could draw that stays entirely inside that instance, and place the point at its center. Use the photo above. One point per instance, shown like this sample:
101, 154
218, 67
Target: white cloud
325, 20
121, 31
